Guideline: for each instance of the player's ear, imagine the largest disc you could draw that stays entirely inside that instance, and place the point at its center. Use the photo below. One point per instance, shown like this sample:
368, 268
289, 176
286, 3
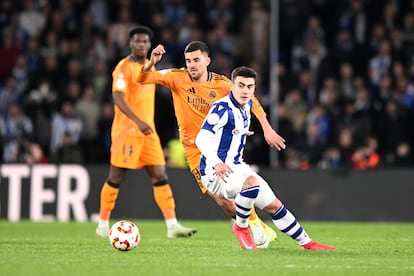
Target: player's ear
208, 59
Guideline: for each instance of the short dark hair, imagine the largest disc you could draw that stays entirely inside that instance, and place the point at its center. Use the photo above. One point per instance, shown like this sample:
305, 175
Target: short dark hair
197, 45
140, 30
243, 71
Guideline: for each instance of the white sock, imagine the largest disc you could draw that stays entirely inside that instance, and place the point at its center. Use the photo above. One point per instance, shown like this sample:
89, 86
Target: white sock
287, 223
103, 223
244, 203
171, 222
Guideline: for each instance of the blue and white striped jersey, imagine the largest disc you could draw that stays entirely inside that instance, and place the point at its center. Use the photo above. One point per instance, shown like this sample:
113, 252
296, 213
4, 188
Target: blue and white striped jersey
222, 137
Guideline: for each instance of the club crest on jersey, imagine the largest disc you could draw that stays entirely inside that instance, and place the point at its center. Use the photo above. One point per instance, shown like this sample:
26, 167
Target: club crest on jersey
212, 94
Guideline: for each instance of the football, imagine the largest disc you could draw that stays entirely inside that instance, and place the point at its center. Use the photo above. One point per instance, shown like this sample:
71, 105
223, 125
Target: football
124, 235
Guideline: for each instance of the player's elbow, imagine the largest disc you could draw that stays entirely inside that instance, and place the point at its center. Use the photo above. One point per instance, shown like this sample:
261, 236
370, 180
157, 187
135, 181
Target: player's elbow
201, 140
198, 140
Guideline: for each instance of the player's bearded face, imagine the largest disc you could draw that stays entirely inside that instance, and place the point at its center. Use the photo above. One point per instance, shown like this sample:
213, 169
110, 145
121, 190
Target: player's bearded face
196, 63
140, 45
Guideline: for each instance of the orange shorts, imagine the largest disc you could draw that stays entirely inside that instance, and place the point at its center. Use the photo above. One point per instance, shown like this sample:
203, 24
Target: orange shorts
193, 155
136, 151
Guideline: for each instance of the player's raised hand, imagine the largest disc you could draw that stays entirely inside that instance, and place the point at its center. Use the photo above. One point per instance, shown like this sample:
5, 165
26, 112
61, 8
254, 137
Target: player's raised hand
157, 53
274, 139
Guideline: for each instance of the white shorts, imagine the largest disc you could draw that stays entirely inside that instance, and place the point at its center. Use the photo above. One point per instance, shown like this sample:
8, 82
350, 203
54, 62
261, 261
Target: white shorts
234, 184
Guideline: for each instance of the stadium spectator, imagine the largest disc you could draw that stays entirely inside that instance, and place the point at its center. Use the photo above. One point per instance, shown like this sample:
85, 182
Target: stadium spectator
9, 51
286, 130
175, 13
21, 74
310, 146
117, 39
393, 130
297, 110
87, 108
355, 20
366, 157
254, 40
40, 104
31, 19
9, 93
307, 86
346, 147
346, 81
380, 64
6, 11
100, 80
99, 14
66, 130
15, 128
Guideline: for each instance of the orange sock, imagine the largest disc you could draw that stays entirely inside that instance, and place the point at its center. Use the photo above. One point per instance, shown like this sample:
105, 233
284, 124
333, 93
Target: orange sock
253, 214
104, 214
109, 194
165, 200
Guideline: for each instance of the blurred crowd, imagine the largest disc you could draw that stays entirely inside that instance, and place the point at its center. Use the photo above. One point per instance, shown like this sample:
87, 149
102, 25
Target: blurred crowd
345, 75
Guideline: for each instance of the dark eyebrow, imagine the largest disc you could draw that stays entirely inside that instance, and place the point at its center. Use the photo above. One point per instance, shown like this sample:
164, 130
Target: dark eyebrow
248, 85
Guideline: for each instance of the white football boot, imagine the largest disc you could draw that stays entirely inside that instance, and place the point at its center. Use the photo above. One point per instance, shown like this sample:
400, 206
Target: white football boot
102, 231
260, 237
179, 231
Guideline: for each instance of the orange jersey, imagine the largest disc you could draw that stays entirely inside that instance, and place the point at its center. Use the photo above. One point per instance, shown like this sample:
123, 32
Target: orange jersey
130, 147
140, 98
192, 100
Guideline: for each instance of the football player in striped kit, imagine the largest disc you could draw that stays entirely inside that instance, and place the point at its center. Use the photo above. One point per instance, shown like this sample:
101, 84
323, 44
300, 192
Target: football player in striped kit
221, 140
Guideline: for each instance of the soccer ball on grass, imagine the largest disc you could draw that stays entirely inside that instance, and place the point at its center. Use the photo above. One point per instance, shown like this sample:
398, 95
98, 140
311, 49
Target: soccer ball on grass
124, 235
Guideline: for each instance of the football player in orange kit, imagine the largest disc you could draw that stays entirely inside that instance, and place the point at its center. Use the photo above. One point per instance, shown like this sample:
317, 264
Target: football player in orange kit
194, 89
135, 144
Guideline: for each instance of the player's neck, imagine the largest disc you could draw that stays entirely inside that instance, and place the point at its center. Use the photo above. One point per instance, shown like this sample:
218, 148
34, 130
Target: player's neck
203, 78
139, 59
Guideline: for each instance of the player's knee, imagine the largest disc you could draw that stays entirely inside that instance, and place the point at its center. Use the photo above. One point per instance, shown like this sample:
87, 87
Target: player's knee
273, 207
157, 174
117, 175
116, 178
250, 182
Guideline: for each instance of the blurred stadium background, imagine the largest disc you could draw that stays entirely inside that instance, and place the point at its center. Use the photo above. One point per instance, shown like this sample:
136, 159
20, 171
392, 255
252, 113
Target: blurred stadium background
336, 77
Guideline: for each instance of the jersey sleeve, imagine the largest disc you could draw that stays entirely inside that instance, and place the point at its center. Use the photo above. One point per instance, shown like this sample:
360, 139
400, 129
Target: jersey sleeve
163, 77
120, 78
204, 141
257, 108
215, 120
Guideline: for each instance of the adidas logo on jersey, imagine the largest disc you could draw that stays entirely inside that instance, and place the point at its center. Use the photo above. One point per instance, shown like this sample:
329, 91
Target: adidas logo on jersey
190, 90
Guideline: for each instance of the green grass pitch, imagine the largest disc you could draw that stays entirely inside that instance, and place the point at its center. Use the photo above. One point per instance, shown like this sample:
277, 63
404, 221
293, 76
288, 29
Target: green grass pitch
28, 248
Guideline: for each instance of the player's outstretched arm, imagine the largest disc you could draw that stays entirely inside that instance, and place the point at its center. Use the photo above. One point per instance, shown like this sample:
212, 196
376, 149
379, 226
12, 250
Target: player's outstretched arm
271, 136
156, 55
